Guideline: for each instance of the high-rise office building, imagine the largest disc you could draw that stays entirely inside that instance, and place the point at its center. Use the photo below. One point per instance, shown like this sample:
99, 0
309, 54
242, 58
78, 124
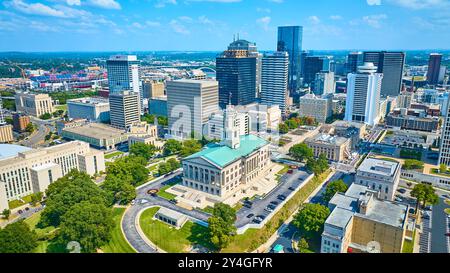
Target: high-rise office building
236, 72
324, 83
434, 68
6, 134
354, 59
444, 151
363, 95
290, 40
2, 118
123, 75
124, 109
391, 64
190, 103
274, 84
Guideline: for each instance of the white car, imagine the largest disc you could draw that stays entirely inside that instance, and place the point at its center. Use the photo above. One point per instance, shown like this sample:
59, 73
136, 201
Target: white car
133, 202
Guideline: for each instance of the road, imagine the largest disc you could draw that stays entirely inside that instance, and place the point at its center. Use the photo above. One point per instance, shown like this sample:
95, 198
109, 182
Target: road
144, 201
439, 227
38, 137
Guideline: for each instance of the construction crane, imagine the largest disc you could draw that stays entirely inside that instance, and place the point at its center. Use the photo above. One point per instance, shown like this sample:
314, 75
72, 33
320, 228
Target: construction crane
22, 71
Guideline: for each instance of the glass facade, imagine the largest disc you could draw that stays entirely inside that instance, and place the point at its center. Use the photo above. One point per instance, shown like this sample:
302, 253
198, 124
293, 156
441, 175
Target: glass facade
290, 40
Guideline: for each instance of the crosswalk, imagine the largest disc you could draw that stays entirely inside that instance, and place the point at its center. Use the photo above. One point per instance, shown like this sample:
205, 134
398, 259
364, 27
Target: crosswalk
425, 237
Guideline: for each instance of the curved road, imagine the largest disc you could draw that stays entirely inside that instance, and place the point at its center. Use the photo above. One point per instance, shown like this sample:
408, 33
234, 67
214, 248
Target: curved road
145, 201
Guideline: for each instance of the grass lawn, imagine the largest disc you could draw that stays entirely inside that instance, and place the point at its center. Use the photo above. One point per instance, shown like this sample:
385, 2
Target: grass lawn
111, 155
436, 171
42, 233
408, 246
17, 203
118, 243
282, 172
171, 239
61, 107
253, 238
162, 191
208, 209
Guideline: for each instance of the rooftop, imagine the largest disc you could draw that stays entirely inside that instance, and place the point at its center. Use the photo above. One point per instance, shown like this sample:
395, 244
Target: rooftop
96, 130
222, 156
92, 101
339, 217
10, 150
379, 166
328, 139
171, 214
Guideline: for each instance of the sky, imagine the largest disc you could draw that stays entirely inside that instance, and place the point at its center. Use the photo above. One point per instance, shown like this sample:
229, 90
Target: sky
203, 25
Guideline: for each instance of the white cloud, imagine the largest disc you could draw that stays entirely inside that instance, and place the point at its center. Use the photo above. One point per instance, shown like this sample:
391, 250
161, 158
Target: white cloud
264, 22
314, 19
421, 4
374, 2
152, 23
336, 17
73, 2
163, 3
374, 21
106, 4
179, 28
34, 9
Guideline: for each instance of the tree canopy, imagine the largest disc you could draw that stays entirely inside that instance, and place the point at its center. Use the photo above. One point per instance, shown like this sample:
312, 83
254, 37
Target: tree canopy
190, 147
119, 189
311, 218
17, 238
143, 150
172, 146
317, 166
424, 194
333, 188
221, 225
132, 168
301, 152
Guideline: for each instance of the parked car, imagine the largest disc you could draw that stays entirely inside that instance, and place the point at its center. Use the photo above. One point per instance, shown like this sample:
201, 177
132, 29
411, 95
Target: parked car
247, 205
401, 191
250, 215
290, 171
398, 199
446, 196
272, 206
256, 221
275, 203
259, 218
173, 201
133, 202
291, 188
20, 211
412, 211
281, 197
268, 209
262, 217
429, 208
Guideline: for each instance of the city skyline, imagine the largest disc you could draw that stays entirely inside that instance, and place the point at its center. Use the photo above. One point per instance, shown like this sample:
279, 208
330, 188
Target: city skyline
209, 25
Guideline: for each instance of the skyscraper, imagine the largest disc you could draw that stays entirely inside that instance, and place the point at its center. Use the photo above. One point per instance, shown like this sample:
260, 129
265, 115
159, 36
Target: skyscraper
124, 109
290, 40
314, 65
363, 95
274, 83
391, 64
434, 68
324, 83
444, 151
190, 103
123, 75
354, 59
236, 72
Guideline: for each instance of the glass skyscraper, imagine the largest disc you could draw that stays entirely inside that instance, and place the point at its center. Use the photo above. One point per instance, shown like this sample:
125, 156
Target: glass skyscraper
290, 40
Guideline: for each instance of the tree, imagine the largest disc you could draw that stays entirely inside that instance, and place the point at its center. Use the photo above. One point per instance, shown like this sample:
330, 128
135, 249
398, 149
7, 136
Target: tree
17, 238
163, 168
424, 194
67, 191
6, 213
142, 150
413, 164
318, 166
292, 124
283, 128
133, 167
46, 116
29, 128
301, 152
174, 164
119, 189
172, 146
221, 225
303, 245
190, 147
36, 198
89, 224
310, 219
332, 188
442, 168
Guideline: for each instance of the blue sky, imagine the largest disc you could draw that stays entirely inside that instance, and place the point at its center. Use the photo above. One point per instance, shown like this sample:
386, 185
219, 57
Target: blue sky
109, 25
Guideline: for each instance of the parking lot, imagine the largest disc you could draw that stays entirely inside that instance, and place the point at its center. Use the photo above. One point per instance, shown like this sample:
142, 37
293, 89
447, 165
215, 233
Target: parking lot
258, 209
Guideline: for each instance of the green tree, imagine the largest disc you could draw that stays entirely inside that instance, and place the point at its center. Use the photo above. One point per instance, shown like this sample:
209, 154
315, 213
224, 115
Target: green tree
142, 150
332, 188
221, 225
29, 128
36, 198
67, 191
412, 164
301, 152
190, 147
174, 164
6, 213
310, 219
283, 128
89, 224
303, 245
46, 116
164, 168
172, 146
442, 168
119, 189
424, 194
17, 238
292, 124
133, 167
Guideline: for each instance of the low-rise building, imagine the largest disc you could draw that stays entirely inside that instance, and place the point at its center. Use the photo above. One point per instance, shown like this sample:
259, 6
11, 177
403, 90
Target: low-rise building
379, 175
333, 147
412, 120
362, 222
6, 133
34, 104
24, 171
171, 217
20, 122
92, 109
152, 89
320, 108
348, 129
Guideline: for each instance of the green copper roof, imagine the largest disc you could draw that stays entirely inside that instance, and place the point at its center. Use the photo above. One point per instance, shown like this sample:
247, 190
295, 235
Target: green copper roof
224, 155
